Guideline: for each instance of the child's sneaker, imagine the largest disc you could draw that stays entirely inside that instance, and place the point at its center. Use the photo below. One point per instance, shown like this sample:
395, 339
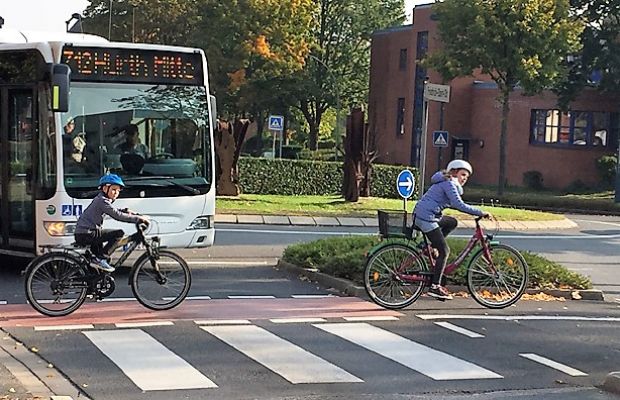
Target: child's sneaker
102, 264
439, 292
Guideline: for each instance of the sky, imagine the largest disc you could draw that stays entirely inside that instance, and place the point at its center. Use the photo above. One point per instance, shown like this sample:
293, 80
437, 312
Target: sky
51, 15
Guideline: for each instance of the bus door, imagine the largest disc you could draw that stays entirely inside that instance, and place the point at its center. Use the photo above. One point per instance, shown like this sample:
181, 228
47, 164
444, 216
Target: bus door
18, 132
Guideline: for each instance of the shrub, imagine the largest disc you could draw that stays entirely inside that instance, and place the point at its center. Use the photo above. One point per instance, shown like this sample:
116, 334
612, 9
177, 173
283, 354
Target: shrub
533, 180
577, 187
308, 177
606, 167
345, 257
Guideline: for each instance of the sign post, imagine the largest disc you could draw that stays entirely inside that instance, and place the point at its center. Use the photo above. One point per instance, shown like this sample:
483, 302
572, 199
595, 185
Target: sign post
432, 92
276, 125
405, 185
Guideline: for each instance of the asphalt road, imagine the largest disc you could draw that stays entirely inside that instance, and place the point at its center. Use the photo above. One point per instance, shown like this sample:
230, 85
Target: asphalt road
348, 349
591, 249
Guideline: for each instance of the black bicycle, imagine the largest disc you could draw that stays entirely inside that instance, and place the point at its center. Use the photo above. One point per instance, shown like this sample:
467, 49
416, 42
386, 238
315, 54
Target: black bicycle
59, 281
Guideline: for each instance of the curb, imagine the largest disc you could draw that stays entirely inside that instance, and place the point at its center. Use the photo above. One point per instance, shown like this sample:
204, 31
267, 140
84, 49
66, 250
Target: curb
345, 221
612, 382
349, 288
37, 375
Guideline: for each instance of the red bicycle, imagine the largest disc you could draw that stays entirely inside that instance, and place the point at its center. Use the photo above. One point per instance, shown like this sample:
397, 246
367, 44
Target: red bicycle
399, 268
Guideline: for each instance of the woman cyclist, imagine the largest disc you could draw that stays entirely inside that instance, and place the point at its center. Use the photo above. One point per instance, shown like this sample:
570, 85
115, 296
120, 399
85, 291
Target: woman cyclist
446, 191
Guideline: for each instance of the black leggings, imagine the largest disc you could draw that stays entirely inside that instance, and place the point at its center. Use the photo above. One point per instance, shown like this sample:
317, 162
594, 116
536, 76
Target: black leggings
96, 239
438, 240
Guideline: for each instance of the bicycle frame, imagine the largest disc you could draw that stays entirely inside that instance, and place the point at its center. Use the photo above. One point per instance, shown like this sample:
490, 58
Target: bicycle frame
477, 237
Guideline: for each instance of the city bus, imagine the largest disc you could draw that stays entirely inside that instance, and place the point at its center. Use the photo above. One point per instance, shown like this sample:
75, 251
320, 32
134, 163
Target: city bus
74, 107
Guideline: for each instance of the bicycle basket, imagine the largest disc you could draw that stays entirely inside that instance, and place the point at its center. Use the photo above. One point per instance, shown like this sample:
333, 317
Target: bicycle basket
392, 223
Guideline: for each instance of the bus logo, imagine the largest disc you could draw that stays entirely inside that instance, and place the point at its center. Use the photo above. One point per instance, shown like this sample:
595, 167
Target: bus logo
51, 210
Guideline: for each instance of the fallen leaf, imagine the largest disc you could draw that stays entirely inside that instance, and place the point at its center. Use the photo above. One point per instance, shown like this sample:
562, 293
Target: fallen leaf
575, 295
12, 390
34, 349
50, 365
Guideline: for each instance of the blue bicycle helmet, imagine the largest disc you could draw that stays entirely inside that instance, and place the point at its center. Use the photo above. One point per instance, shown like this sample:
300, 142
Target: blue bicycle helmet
111, 179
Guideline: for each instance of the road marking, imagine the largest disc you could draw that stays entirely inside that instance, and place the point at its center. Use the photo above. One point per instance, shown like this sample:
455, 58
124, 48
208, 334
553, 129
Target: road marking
222, 322
293, 363
3, 302
465, 236
553, 364
518, 317
460, 330
148, 363
143, 324
332, 233
114, 299
251, 297
295, 320
63, 327
311, 296
371, 318
224, 262
430, 362
188, 298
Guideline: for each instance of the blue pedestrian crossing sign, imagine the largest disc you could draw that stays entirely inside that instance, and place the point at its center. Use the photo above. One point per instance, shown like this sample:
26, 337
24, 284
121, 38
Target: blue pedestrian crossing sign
440, 139
405, 184
276, 123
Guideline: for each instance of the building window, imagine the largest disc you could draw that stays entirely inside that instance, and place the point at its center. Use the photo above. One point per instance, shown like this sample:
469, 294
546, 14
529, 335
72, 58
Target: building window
402, 61
400, 116
573, 128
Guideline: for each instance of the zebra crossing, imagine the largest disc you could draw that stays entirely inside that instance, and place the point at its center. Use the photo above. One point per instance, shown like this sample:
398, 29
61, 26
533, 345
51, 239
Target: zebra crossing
155, 358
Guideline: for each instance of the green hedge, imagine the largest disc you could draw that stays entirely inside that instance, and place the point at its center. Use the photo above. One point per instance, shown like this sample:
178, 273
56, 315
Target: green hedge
345, 257
307, 177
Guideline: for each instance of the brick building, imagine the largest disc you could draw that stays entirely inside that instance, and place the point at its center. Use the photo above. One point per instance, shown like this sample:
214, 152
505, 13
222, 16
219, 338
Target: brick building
563, 147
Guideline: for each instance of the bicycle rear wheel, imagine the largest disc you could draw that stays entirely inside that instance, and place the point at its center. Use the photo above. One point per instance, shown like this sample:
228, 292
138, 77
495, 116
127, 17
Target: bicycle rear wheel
499, 282
394, 276
162, 288
55, 285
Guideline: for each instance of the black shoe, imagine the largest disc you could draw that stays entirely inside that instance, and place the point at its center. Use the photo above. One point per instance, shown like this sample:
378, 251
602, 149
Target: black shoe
440, 293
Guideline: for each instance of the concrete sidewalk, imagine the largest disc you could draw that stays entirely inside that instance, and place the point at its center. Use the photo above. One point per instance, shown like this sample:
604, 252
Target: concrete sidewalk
372, 222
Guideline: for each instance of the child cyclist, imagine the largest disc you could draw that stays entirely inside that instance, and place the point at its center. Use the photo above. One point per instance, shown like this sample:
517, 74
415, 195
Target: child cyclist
88, 230
446, 191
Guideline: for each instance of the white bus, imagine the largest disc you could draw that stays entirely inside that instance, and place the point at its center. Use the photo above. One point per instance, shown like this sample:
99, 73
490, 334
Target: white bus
74, 107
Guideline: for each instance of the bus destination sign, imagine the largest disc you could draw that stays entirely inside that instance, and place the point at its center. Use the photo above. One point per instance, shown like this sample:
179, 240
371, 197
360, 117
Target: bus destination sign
98, 64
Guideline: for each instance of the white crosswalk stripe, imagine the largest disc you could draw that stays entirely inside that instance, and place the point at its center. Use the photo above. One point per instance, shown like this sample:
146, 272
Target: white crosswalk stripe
293, 363
430, 362
152, 366
148, 363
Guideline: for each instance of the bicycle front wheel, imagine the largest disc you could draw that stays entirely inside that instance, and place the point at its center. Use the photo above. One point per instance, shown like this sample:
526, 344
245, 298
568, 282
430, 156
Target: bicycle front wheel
500, 281
162, 284
55, 285
395, 276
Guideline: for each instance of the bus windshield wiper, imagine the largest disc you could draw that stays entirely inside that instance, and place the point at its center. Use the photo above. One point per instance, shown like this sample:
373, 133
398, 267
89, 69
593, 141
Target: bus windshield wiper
167, 179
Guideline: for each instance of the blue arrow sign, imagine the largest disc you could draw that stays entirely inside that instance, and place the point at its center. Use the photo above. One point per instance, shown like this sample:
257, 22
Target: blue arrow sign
276, 123
405, 183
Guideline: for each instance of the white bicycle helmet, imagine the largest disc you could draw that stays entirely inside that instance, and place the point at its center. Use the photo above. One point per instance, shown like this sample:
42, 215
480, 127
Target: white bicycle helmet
460, 164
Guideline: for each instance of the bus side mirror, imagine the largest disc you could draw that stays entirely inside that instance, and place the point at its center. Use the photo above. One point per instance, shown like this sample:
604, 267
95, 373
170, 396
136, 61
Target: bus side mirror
60, 87
213, 115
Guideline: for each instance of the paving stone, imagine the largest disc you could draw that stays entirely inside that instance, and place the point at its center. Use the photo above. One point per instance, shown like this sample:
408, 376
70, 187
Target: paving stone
348, 221
326, 221
296, 220
250, 219
226, 218
370, 222
276, 220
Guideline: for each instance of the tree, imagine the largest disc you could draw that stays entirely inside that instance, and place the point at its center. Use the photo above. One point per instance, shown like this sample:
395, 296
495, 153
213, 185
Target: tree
147, 21
516, 42
598, 63
337, 69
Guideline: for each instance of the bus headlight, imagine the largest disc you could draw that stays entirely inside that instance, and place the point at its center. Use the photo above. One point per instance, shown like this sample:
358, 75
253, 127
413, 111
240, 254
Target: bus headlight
58, 228
202, 222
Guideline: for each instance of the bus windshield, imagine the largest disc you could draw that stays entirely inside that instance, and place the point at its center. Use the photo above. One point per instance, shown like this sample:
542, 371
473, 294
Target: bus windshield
156, 137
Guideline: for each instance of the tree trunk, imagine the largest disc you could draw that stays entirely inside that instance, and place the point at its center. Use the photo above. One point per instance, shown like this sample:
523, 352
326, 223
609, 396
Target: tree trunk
353, 145
501, 184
